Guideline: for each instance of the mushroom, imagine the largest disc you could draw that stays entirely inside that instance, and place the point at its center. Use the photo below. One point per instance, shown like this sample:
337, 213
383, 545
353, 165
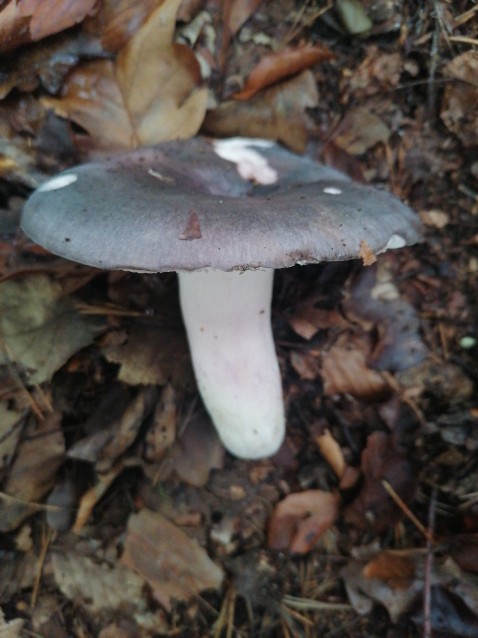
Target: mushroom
223, 214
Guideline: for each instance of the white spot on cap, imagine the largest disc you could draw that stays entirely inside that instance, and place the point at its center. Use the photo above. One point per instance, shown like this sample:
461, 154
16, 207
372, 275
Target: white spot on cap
395, 241
58, 182
251, 165
332, 190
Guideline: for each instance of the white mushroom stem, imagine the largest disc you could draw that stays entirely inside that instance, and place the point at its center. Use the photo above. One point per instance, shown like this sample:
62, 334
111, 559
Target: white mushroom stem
227, 318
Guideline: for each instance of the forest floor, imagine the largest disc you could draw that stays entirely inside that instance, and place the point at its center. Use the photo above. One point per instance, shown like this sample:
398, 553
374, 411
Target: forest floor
121, 515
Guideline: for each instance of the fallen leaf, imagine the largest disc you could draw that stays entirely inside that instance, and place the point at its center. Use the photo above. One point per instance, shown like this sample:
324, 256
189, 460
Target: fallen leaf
278, 113
33, 472
92, 99
299, 520
373, 507
160, 81
22, 22
198, 451
41, 329
345, 369
282, 64
174, 565
97, 586
360, 130
116, 21
153, 355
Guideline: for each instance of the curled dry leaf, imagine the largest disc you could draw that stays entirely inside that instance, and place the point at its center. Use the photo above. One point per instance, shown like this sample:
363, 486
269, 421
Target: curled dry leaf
22, 22
299, 520
280, 65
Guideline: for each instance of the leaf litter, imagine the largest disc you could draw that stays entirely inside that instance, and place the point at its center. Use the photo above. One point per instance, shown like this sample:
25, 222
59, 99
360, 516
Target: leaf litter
101, 435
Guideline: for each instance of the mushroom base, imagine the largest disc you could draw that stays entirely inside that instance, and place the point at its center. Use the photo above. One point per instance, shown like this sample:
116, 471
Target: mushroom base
227, 318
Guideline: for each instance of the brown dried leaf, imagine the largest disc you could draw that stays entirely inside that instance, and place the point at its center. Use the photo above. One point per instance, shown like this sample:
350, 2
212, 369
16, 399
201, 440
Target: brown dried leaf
174, 565
152, 356
345, 369
360, 130
22, 22
240, 12
92, 99
300, 519
308, 320
381, 461
282, 64
97, 586
160, 81
277, 113
198, 451
116, 21
33, 472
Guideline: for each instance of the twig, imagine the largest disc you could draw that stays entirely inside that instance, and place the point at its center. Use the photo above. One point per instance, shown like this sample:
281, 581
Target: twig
407, 511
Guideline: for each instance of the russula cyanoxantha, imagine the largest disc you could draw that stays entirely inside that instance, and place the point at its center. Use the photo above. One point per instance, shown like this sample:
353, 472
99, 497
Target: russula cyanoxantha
223, 214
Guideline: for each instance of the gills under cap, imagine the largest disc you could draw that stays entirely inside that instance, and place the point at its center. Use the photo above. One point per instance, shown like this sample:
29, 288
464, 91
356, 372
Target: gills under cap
225, 204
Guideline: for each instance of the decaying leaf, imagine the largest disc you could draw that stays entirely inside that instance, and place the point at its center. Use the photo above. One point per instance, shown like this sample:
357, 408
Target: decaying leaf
373, 507
152, 356
97, 586
33, 473
300, 519
40, 329
174, 565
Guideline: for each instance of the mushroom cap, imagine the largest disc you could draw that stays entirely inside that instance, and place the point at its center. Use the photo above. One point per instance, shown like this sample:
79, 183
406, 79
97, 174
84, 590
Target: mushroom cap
183, 206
